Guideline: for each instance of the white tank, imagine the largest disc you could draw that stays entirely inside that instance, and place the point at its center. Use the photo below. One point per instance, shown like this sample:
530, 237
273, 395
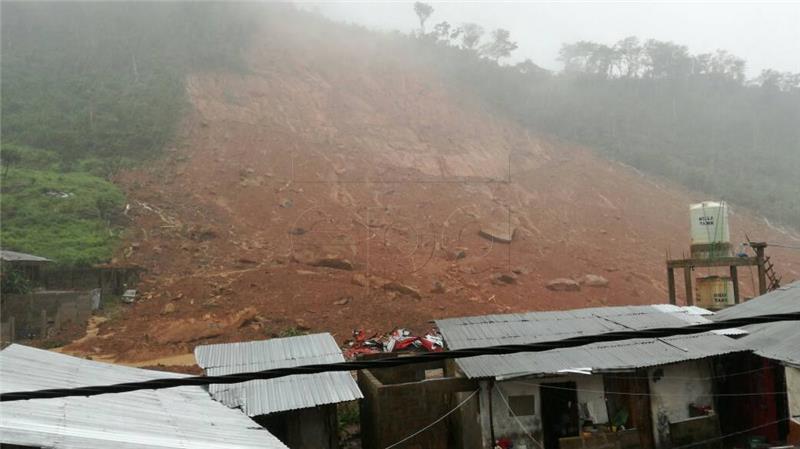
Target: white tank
709, 223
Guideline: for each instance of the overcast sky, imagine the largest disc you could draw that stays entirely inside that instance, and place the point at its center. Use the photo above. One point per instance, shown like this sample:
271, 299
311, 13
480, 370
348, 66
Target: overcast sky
767, 35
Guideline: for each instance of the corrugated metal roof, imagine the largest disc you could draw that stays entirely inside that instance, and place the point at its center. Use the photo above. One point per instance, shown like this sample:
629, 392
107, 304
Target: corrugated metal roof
183, 417
470, 332
786, 299
491, 330
623, 355
777, 341
13, 256
260, 397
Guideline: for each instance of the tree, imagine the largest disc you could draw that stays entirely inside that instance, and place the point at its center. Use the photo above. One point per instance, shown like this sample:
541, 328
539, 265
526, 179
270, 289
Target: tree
9, 157
629, 53
471, 34
667, 60
423, 11
442, 31
500, 46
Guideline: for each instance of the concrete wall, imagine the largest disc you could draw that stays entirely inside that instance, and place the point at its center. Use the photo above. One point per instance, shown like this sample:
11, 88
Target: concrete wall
392, 409
590, 391
793, 389
671, 393
38, 313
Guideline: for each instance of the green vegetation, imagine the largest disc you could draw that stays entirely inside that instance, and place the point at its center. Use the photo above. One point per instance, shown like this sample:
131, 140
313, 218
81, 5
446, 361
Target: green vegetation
89, 88
691, 118
65, 216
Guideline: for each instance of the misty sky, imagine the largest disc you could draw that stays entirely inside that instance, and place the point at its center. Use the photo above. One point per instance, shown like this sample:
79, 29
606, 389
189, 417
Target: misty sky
767, 35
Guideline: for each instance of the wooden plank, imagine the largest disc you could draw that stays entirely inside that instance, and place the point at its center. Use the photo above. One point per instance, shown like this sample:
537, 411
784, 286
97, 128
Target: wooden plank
762, 272
687, 281
735, 281
671, 284
717, 262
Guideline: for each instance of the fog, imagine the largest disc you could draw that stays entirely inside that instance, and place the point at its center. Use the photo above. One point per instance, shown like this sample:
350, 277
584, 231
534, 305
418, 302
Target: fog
767, 35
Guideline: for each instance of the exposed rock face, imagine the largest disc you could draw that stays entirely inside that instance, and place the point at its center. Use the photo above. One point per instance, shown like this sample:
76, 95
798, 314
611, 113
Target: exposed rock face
593, 280
563, 285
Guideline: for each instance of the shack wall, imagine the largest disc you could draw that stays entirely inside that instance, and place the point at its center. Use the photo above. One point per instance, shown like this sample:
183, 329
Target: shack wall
672, 392
793, 390
35, 314
589, 391
392, 412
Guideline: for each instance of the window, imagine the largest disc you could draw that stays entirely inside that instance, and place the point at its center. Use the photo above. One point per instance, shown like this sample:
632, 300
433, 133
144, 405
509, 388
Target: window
524, 405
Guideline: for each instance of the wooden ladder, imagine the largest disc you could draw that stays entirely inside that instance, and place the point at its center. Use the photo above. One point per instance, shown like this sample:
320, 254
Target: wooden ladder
774, 279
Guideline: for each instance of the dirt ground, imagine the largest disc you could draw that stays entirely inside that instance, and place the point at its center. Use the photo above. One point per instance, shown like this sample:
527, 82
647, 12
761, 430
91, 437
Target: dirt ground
331, 151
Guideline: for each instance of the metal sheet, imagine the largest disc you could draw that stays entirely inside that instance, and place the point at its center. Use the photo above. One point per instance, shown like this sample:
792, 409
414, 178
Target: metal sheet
470, 332
623, 355
262, 397
489, 330
786, 299
13, 256
777, 341
183, 417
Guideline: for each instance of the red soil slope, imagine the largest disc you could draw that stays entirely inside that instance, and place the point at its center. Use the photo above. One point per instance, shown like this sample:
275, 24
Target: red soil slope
332, 145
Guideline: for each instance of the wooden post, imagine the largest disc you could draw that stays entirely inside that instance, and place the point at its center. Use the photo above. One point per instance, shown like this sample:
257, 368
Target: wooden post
484, 418
687, 280
671, 284
735, 281
43, 324
762, 271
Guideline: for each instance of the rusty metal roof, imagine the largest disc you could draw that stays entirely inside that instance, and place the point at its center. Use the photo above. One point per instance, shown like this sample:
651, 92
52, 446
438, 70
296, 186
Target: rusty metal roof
489, 330
183, 417
260, 397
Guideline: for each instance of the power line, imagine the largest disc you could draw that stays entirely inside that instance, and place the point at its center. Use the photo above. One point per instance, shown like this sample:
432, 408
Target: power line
777, 245
435, 422
627, 393
227, 379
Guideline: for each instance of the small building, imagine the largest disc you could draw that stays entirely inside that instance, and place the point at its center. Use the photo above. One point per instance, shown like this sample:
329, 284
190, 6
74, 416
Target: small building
300, 410
27, 266
774, 367
641, 393
182, 417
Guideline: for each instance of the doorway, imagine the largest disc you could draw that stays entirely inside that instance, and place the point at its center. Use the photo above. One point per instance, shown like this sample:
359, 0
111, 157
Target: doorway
559, 412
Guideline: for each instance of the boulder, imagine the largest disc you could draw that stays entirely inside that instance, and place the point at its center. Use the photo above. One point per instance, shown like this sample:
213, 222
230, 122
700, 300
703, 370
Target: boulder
338, 263
594, 280
563, 285
360, 280
403, 289
504, 278
501, 233
438, 287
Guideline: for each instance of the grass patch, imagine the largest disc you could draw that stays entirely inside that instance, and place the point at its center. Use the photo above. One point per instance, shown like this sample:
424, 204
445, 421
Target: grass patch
64, 216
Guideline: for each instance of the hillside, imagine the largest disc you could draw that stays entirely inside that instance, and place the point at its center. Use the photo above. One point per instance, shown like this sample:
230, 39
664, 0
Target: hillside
335, 148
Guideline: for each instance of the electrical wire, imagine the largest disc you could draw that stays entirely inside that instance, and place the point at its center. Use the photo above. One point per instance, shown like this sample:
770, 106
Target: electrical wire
777, 245
156, 384
684, 378
728, 435
625, 393
435, 422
